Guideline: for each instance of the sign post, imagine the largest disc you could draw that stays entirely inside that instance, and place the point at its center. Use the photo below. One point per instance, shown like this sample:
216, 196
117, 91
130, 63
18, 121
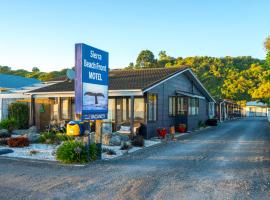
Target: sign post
91, 85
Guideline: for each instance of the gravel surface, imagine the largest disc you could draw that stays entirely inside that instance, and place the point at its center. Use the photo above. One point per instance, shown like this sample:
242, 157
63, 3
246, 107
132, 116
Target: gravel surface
231, 161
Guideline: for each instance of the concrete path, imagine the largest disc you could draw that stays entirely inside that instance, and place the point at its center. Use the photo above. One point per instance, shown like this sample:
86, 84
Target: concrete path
231, 161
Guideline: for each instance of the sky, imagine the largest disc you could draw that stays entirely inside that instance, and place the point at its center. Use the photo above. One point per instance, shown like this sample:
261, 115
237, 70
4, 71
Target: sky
43, 33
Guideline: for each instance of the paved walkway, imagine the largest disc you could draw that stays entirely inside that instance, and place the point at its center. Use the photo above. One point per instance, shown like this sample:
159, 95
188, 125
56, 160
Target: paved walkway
231, 161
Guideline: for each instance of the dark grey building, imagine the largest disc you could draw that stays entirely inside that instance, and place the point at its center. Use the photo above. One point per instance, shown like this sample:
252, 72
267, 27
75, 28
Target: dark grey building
155, 98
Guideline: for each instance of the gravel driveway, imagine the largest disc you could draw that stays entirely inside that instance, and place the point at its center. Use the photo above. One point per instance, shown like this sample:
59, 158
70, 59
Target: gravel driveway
231, 161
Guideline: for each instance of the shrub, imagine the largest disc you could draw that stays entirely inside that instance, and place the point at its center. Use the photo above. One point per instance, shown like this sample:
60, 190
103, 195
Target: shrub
5, 135
125, 146
3, 141
20, 113
18, 142
53, 138
138, 141
212, 122
108, 151
9, 124
201, 124
75, 152
93, 151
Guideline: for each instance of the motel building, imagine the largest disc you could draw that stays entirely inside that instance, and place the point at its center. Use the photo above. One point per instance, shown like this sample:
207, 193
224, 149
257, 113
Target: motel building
147, 98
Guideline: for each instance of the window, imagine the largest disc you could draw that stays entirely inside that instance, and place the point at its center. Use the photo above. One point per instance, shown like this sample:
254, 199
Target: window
139, 109
55, 113
152, 107
211, 110
193, 108
64, 108
73, 112
172, 106
182, 106
111, 110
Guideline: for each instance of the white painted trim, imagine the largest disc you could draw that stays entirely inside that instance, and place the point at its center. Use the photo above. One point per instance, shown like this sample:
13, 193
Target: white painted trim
201, 85
189, 70
189, 94
113, 93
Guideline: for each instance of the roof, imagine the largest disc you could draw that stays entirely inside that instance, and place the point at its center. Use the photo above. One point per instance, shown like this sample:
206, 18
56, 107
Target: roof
56, 79
141, 79
13, 81
122, 79
256, 103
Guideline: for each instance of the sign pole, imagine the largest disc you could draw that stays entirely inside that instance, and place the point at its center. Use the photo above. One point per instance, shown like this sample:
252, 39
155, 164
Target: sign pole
98, 137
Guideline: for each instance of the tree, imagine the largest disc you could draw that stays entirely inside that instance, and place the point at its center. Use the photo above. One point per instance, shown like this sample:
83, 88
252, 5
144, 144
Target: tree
145, 59
131, 65
35, 69
267, 44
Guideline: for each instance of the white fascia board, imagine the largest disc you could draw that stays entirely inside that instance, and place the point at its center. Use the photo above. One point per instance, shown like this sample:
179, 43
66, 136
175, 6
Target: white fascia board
114, 93
201, 85
189, 70
13, 96
153, 86
53, 94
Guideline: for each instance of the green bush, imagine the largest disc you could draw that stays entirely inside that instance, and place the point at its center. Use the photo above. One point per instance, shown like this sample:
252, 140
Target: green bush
73, 151
9, 124
53, 138
20, 113
138, 141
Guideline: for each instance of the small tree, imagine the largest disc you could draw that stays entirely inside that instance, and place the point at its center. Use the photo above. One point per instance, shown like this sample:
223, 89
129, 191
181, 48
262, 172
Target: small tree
20, 113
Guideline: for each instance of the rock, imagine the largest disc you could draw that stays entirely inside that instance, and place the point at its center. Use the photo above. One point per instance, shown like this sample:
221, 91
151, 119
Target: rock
33, 137
115, 140
123, 137
32, 129
106, 138
5, 151
4, 133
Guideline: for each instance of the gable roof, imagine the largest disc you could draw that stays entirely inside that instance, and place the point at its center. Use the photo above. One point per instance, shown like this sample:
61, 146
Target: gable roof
12, 81
141, 79
122, 79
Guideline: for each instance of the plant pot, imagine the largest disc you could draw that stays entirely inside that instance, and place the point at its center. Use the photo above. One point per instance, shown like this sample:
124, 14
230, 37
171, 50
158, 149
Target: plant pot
182, 129
162, 133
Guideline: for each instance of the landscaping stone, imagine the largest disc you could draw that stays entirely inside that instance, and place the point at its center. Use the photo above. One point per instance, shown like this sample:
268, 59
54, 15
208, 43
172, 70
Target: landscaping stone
5, 151
33, 137
115, 140
32, 129
4, 133
106, 138
123, 137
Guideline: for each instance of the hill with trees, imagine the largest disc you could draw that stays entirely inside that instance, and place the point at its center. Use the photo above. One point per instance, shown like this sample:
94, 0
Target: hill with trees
237, 78
35, 73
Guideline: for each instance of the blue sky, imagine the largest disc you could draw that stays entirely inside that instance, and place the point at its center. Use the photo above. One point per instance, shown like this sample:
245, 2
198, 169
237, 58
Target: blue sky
43, 33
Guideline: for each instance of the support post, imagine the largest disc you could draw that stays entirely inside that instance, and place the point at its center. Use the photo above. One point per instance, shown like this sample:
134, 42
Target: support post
98, 137
32, 111
132, 115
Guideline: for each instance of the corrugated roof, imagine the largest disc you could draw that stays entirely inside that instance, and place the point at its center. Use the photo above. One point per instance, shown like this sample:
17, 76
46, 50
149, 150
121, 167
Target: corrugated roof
12, 81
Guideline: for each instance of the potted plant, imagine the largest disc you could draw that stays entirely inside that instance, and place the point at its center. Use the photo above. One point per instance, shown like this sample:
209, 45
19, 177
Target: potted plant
182, 128
162, 132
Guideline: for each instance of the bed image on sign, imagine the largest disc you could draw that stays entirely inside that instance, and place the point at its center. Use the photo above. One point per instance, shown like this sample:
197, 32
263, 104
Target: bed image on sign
96, 95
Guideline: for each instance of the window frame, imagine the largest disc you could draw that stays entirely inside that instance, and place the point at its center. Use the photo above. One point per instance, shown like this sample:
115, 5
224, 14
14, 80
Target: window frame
154, 108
